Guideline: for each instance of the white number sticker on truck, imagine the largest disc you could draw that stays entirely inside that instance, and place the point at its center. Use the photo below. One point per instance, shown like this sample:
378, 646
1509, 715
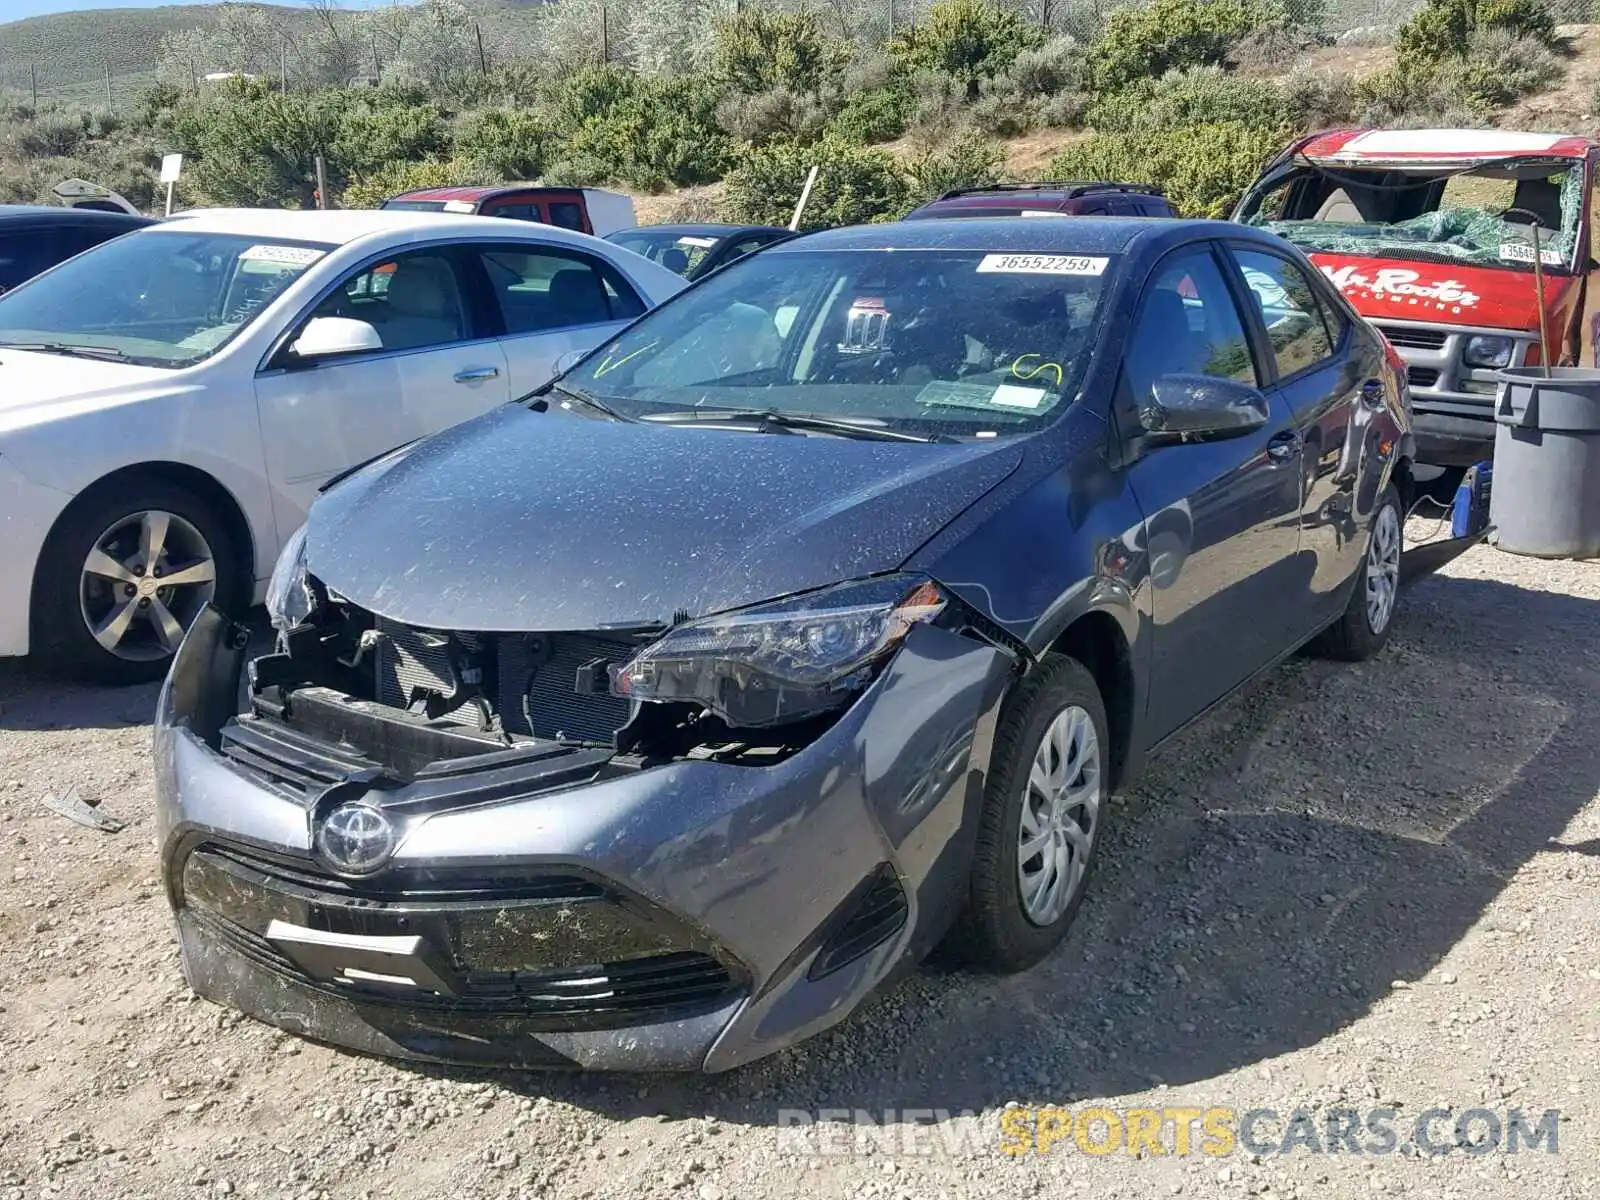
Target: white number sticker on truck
1517, 252
1043, 264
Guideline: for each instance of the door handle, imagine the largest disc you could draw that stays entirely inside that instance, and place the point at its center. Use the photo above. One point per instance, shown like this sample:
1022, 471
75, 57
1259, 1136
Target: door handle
477, 374
1284, 446
1372, 393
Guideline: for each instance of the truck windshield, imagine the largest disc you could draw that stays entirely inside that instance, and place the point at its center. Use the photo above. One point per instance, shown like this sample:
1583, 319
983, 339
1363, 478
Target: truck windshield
1485, 216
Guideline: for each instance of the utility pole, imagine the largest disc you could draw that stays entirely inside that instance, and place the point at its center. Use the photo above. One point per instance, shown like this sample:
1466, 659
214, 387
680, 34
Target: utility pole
377, 63
483, 59
322, 183
605, 35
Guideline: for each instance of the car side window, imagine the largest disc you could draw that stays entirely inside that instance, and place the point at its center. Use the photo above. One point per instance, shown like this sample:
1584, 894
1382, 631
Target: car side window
542, 289
1301, 327
518, 212
26, 253
567, 215
413, 300
1188, 324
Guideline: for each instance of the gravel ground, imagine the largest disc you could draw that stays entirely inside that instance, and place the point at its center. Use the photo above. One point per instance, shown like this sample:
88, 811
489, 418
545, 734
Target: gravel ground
1365, 886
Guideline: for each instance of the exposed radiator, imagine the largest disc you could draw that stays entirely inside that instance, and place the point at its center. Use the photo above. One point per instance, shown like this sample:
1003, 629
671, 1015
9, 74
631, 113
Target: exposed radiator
532, 678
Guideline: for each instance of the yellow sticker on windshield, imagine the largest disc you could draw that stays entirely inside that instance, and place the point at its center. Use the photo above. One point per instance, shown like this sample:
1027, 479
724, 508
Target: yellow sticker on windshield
1043, 264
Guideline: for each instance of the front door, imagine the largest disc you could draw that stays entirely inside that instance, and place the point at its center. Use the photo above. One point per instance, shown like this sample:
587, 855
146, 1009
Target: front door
1320, 380
437, 367
1221, 517
551, 301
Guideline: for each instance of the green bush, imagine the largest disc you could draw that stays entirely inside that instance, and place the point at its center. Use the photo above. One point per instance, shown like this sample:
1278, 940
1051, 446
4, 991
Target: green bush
1202, 168
853, 185
760, 49
1500, 68
1198, 96
767, 116
374, 129
1042, 86
662, 131
869, 118
1151, 39
511, 143
1444, 29
1319, 99
968, 40
969, 161
371, 190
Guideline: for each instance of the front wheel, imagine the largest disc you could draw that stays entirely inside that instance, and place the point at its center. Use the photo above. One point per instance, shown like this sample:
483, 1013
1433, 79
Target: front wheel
1043, 810
122, 577
1364, 628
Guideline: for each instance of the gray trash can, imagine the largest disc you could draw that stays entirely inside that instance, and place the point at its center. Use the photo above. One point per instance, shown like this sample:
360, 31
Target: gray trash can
1546, 496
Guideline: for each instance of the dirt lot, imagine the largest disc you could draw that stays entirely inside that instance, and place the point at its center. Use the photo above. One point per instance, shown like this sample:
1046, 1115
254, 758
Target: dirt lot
1368, 887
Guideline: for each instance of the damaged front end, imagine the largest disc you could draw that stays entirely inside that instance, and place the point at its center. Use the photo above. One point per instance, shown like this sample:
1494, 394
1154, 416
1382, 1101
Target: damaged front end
678, 846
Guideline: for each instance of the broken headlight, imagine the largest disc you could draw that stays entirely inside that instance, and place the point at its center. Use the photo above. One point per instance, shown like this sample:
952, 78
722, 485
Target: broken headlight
289, 596
784, 661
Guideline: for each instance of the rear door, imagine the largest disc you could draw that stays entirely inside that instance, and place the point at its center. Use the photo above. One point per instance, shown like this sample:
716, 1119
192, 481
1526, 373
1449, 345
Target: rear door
441, 363
1319, 368
549, 300
1221, 517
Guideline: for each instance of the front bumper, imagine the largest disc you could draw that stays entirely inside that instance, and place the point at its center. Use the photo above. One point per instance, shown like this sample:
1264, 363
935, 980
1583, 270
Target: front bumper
1453, 439
27, 511
690, 916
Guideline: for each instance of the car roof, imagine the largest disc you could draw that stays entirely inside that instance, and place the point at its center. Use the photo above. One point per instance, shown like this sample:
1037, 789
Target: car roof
340, 226
706, 228
1018, 235
46, 213
478, 191
1443, 146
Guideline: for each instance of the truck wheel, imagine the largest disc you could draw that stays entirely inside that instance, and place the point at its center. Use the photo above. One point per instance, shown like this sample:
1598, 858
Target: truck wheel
1043, 808
1364, 628
124, 573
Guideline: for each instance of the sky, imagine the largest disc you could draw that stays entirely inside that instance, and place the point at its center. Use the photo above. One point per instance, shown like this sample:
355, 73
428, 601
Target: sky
16, 10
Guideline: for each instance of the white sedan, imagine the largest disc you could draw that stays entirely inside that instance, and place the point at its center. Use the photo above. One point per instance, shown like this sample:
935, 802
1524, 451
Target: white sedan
171, 400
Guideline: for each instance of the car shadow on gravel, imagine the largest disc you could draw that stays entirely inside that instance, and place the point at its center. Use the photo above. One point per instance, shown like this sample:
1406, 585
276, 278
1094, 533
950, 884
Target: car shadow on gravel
1333, 830
31, 701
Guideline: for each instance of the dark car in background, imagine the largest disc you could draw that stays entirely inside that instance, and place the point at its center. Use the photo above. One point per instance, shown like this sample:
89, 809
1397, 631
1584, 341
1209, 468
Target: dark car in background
656, 720
1099, 199
35, 238
696, 250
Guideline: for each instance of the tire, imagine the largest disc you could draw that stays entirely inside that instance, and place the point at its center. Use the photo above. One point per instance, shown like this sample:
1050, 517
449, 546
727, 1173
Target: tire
140, 619
1364, 628
997, 932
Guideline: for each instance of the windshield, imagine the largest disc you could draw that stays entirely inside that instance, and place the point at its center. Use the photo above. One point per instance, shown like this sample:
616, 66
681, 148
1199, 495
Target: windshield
680, 252
937, 343
418, 205
1484, 216
163, 299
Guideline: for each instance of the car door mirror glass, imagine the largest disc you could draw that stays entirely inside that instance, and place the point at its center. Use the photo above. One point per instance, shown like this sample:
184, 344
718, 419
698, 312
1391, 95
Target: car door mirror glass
1195, 406
328, 337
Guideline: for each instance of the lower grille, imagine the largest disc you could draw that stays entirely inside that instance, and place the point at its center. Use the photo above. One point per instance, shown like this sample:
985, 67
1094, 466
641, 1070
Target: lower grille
1414, 339
1421, 377
534, 684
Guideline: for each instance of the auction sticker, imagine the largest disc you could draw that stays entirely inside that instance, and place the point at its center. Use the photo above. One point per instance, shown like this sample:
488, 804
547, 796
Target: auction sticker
1517, 252
289, 256
1043, 264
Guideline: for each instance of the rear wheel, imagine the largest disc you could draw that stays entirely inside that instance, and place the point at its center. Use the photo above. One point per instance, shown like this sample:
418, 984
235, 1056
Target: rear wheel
124, 574
1043, 810
1364, 628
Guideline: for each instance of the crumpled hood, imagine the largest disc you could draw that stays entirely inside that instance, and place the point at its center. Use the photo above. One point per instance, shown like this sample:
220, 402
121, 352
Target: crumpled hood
527, 521
36, 386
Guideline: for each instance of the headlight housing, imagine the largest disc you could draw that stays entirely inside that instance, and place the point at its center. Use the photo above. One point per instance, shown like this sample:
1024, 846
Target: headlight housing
784, 661
1485, 350
289, 595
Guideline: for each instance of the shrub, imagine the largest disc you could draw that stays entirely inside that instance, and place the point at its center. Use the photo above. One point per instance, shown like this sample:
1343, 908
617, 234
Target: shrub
1000, 114
1151, 39
1319, 99
760, 49
511, 143
1061, 64
969, 161
870, 117
1199, 96
1501, 67
49, 135
663, 131
1202, 168
372, 189
382, 129
853, 185
1443, 29
1064, 110
779, 113
968, 40
938, 108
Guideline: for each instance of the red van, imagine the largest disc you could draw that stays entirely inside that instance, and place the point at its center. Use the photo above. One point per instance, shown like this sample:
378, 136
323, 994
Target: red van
1431, 235
588, 210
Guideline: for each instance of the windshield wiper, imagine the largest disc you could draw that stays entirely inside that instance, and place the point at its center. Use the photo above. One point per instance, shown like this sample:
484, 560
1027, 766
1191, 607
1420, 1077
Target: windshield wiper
771, 420
65, 348
540, 403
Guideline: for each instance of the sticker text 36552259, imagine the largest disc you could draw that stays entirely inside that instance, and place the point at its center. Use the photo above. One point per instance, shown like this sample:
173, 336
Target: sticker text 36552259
1043, 264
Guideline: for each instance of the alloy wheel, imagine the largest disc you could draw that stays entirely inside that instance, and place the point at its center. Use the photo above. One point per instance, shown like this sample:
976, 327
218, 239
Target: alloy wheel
1060, 816
144, 580
1383, 568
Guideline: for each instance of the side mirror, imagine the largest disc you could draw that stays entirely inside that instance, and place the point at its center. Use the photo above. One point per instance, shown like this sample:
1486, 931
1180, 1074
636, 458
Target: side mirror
328, 337
569, 360
1201, 406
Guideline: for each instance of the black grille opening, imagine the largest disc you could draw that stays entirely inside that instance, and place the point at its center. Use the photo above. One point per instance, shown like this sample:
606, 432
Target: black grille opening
1414, 339
876, 916
1421, 377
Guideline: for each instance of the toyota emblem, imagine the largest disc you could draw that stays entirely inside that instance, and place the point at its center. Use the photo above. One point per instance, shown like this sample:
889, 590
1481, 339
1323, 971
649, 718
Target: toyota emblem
357, 837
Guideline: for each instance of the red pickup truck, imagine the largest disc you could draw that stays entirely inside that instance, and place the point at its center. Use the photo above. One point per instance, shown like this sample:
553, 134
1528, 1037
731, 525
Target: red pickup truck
1430, 233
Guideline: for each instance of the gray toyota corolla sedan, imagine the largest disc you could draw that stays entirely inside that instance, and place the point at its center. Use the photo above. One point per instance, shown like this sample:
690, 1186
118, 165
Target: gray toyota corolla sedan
656, 719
